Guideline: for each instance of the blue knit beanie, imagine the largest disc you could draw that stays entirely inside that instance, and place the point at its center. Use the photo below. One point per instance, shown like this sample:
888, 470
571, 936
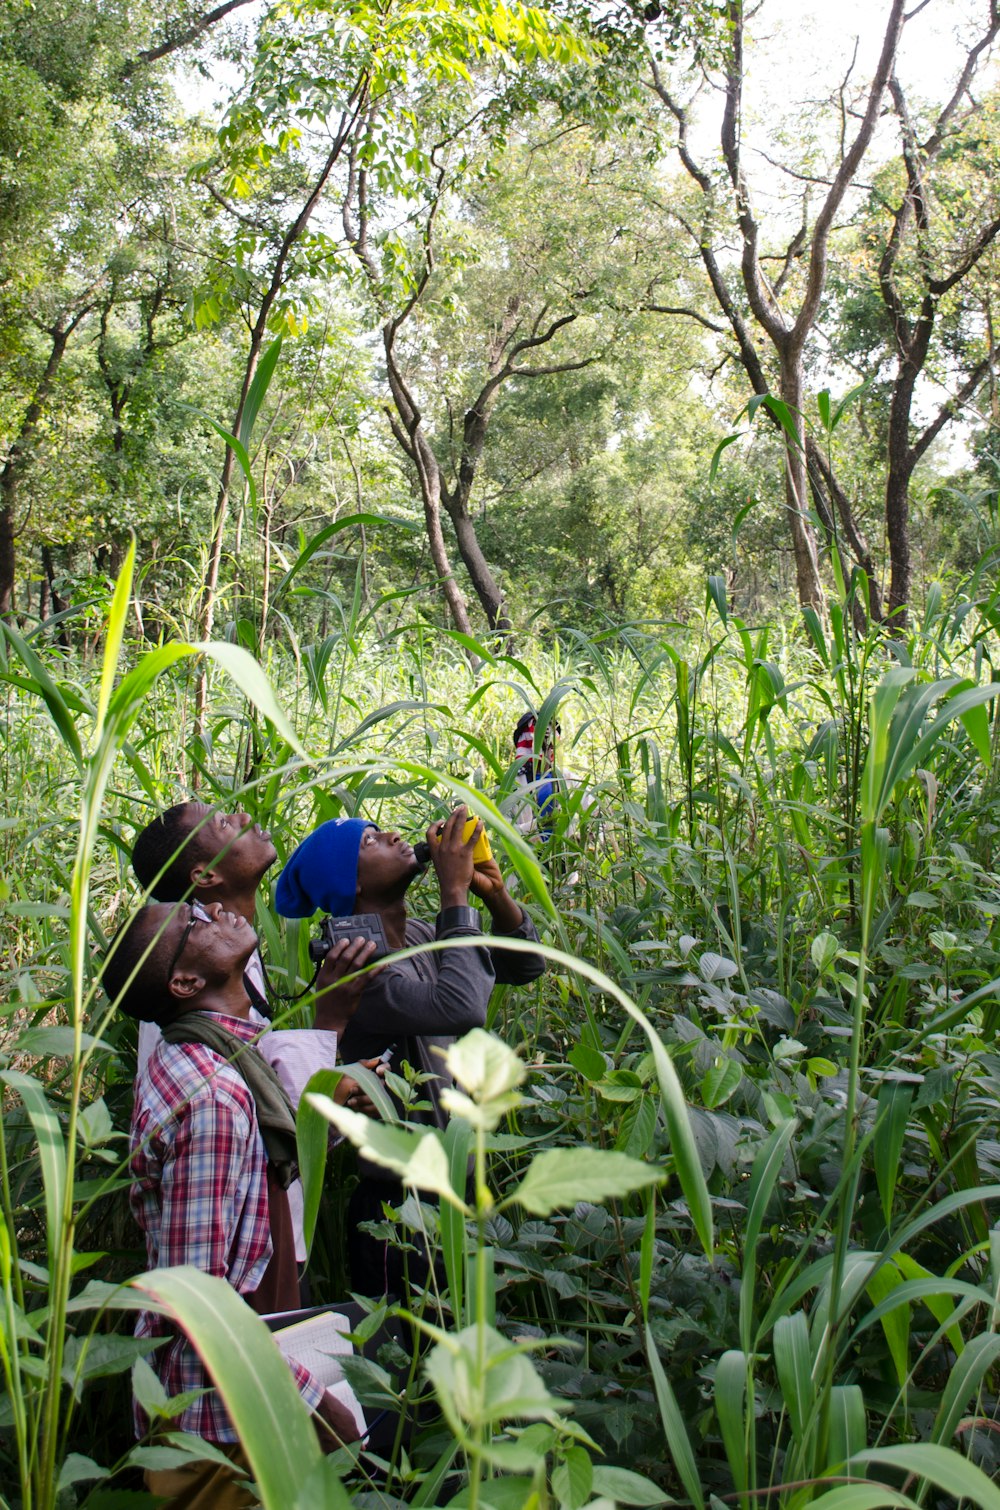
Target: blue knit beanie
322, 874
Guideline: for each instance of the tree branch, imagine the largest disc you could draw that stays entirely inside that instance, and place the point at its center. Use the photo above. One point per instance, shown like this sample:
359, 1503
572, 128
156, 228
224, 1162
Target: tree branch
948, 410
180, 38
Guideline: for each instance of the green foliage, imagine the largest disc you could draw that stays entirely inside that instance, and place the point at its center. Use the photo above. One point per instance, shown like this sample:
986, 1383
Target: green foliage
738, 1181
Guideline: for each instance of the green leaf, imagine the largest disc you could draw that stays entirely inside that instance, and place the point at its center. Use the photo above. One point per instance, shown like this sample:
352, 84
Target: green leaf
561, 1177
793, 1361
867, 1497
720, 1082
451, 1221
848, 1424
56, 1041
51, 1153
763, 1178
258, 389
964, 1382
252, 1378
647, 1251
895, 1098
627, 1488
573, 1477
730, 1407
98, 1356
50, 694
115, 633
418, 1158
147, 1389
591, 1065
317, 541
481, 1379
312, 1139
727, 440
895, 1323
76, 1469
253, 683
716, 590
824, 950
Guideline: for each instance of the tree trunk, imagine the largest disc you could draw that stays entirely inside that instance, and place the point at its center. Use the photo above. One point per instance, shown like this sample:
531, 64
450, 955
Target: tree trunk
897, 494
430, 492
14, 466
483, 580
807, 578
822, 474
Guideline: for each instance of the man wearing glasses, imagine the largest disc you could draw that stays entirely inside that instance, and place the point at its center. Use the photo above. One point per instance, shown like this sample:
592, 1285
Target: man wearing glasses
212, 1150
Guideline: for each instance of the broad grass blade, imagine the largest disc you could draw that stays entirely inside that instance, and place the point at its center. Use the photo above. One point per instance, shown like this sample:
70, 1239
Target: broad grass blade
867, 1497
253, 683
115, 633
730, 1407
793, 1361
938, 1465
894, 1101
848, 1423
965, 1380
451, 1222
766, 1169
258, 388
312, 1137
252, 1377
47, 690
51, 1153
673, 1426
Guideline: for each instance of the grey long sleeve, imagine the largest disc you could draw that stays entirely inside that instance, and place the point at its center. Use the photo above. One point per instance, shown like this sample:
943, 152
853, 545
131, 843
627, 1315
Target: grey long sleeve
435, 995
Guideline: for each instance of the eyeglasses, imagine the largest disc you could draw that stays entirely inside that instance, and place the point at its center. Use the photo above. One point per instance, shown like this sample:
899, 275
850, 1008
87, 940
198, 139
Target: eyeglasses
188, 928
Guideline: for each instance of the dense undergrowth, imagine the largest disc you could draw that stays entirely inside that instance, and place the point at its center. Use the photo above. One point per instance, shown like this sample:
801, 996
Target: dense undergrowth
777, 859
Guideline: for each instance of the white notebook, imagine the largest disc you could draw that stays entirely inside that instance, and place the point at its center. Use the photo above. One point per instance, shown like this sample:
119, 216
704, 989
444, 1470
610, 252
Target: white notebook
317, 1343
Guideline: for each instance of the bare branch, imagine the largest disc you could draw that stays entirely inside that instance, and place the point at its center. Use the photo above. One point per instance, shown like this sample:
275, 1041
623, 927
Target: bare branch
845, 174
690, 314
948, 410
556, 367
181, 38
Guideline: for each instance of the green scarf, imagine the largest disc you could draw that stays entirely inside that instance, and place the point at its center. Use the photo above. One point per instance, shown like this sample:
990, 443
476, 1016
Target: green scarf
275, 1116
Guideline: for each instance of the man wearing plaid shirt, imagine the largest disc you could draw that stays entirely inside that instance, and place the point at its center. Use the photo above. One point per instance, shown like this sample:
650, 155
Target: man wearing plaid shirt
204, 1190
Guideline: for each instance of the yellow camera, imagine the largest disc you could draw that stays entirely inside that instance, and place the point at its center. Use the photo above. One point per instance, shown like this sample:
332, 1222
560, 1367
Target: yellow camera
482, 850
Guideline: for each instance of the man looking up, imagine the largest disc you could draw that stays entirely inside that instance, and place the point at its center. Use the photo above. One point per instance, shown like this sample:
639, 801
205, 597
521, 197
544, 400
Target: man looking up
212, 1149
202, 853
410, 1007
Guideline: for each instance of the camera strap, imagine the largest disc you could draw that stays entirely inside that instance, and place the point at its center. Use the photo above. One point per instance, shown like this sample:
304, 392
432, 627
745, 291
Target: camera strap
274, 995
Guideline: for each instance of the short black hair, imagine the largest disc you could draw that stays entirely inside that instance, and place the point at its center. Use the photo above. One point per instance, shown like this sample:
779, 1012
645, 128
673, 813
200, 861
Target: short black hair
135, 969
165, 851
552, 729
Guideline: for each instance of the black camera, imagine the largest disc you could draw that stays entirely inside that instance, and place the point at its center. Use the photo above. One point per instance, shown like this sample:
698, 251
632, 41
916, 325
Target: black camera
366, 925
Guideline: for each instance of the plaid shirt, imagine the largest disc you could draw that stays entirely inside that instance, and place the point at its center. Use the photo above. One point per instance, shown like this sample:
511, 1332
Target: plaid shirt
199, 1193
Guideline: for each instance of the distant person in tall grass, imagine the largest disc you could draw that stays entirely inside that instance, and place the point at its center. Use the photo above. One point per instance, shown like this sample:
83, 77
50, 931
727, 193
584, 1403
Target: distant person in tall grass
536, 777
213, 1152
411, 1007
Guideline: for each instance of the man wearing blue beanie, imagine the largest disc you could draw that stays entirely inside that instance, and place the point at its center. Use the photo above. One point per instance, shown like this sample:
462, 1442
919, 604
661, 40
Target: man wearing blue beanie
412, 1006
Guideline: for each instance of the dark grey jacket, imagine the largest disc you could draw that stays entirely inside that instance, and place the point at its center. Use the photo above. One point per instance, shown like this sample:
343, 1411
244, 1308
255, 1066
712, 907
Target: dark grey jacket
423, 1004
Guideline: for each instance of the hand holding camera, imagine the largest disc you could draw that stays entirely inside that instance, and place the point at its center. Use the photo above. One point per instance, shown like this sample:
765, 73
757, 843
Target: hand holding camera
337, 999
452, 845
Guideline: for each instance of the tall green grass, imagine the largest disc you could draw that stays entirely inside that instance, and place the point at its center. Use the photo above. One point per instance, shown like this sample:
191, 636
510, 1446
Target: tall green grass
769, 896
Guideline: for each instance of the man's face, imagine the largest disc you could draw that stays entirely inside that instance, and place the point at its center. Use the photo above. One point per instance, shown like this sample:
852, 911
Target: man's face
239, 850
205, 941
386, 863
